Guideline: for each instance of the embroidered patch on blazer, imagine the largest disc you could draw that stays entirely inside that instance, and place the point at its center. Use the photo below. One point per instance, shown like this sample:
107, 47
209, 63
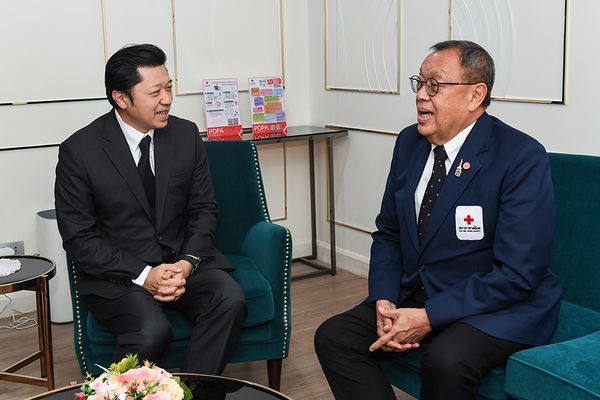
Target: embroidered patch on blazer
469, 222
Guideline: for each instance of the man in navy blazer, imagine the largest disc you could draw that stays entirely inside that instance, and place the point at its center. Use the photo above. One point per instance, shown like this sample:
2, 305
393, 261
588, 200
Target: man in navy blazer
462, 269
142, 247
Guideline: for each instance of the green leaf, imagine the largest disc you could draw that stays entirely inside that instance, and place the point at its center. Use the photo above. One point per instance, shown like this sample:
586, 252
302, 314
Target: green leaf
129, 362
187, 393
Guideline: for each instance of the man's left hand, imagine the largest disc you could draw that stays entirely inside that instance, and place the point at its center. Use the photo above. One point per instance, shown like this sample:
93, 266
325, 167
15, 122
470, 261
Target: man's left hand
185, 267
165, 282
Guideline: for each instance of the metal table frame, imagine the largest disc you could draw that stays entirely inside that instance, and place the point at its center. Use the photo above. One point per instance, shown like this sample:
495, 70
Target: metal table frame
310, 134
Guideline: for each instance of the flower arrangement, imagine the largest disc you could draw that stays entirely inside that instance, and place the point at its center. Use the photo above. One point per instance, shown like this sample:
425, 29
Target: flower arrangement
126, 380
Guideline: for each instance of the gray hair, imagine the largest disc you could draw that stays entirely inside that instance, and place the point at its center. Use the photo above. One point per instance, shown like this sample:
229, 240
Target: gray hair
477, 63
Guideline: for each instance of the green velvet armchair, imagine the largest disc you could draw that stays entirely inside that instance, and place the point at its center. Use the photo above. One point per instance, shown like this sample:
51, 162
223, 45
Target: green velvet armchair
261, 253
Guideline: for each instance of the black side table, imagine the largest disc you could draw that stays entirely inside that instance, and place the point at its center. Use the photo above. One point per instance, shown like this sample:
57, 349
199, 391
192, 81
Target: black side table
34, 275
312, 134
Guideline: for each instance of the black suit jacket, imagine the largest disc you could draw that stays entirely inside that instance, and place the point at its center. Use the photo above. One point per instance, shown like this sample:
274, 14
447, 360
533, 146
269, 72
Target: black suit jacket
103, 214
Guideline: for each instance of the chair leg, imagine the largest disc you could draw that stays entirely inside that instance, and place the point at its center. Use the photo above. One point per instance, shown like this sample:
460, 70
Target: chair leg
274, 373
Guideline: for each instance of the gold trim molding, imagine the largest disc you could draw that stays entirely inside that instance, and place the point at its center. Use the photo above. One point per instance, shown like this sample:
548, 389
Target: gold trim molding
564, 59
367, 130
365, 90
350, 226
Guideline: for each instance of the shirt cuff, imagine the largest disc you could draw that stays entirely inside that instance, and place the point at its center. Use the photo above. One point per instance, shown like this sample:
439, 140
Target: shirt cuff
142, 277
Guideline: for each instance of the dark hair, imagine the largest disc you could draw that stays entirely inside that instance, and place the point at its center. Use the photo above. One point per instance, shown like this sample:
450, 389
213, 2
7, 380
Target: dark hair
477, 63
121, 71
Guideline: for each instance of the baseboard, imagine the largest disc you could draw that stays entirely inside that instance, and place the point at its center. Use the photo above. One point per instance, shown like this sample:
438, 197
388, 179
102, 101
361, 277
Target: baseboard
346, 260
301, 249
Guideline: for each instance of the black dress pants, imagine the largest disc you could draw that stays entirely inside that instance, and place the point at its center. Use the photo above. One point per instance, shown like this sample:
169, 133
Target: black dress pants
213, 302
454, 362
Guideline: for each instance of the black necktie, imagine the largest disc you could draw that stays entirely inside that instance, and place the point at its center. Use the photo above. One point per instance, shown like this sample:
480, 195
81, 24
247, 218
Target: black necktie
434, 186
145, 170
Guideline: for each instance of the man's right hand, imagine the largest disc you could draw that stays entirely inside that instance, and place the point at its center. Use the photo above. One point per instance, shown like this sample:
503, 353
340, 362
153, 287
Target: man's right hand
165, 282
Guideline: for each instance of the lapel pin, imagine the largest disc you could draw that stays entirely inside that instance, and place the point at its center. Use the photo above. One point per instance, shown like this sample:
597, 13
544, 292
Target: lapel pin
459, 169
466, 165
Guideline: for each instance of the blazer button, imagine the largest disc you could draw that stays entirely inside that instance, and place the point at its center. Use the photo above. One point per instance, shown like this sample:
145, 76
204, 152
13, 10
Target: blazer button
421, 268
158, 237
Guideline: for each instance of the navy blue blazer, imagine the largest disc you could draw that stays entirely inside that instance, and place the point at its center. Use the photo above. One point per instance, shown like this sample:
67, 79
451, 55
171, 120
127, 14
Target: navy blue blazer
492, 272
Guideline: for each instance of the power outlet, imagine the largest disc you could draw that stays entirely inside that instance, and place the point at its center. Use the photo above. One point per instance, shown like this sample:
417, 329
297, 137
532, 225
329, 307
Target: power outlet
18, 247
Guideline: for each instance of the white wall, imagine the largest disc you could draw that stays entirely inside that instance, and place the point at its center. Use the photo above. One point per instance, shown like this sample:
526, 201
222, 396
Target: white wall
361, 160
27, 176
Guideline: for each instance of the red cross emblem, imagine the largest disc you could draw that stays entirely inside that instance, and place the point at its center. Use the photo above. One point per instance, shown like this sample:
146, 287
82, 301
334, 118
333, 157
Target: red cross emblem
468, 219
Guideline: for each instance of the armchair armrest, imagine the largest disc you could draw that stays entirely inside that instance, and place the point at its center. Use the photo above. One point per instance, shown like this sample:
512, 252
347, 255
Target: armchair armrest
270, 247
566, 370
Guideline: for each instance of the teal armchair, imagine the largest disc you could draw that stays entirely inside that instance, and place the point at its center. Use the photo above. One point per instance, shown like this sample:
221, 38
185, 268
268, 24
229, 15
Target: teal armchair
261, 253
568, 367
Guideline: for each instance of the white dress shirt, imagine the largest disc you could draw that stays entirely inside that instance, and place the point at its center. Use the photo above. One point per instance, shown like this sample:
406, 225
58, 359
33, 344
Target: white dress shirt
452, 148
134, 137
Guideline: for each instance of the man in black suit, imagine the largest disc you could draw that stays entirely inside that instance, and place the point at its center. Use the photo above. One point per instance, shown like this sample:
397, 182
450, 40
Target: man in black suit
139, 220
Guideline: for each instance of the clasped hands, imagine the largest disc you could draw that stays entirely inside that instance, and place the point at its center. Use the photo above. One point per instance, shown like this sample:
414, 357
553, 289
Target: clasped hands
167, 281
399, 329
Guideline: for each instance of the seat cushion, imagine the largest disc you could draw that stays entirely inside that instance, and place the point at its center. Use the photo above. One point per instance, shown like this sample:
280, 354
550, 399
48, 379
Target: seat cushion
560, 371
575, 321
257, 291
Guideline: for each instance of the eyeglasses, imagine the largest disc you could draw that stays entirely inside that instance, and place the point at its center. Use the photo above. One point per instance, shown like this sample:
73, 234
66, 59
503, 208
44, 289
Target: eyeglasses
432, 86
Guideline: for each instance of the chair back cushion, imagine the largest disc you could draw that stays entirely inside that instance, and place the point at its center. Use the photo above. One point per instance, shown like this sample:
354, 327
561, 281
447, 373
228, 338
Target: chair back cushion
238, 191
576, 251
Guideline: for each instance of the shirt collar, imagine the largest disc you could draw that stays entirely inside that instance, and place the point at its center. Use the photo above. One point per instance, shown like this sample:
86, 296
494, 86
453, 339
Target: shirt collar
453, 146
132, 135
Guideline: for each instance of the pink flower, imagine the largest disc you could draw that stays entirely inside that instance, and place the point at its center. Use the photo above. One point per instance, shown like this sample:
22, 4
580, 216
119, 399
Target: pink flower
140, 375
146, 382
